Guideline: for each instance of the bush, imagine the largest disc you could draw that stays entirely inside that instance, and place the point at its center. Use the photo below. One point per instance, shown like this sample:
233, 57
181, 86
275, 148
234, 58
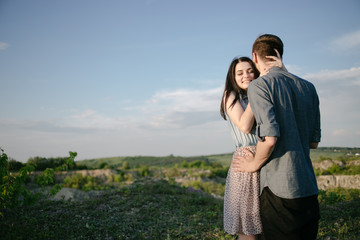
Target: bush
80, 166
43, 163
103, 165
336, 195
322, 158
337, 170
218, 172
197, 164
144, 171
59, 164
12, 186
14, 165
209, 187
85, 183
117, 178
184, 164
173, 172
125, 165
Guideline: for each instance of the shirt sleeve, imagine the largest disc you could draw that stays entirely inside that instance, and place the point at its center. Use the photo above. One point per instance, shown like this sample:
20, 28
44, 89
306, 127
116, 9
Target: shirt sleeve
316, 135
263, 108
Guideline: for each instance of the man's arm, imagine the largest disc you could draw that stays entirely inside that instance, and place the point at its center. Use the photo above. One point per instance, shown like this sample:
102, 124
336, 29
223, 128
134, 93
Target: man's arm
253, 163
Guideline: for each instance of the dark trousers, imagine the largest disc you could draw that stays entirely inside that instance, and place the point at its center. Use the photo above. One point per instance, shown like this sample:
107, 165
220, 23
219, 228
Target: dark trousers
289, 219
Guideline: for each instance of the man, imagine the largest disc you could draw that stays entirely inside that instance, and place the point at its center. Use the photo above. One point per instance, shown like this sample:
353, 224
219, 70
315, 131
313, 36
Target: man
286, 110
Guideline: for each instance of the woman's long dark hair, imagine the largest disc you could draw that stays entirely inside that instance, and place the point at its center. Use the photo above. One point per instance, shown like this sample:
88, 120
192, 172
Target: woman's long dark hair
230, 83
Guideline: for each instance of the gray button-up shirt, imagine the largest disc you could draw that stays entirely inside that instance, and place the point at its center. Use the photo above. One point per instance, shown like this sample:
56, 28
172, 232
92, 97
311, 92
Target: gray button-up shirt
287, 107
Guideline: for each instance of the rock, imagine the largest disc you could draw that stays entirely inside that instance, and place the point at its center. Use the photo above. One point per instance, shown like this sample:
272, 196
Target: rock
343, 181
71, 194
323, 164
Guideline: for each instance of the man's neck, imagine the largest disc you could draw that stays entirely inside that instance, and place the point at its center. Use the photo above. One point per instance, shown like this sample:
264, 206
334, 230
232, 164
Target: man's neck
261, 66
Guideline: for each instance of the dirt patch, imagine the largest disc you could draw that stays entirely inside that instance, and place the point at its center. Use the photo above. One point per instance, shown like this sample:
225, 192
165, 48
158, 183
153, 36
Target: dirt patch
71, 194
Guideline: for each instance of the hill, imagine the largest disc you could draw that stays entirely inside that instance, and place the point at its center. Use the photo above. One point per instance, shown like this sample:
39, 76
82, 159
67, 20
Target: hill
319, 154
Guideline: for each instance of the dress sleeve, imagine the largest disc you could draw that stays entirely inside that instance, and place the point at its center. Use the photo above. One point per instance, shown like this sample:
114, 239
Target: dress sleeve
263, 108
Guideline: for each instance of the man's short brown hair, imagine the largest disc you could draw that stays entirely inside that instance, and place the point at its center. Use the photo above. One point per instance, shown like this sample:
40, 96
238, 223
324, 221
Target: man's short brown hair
265, 44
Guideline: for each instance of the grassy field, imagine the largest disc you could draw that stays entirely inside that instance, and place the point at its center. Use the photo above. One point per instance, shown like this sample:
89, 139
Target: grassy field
152, 209
147, 201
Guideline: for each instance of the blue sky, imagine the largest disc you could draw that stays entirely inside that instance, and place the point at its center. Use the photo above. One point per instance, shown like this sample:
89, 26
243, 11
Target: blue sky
145, 77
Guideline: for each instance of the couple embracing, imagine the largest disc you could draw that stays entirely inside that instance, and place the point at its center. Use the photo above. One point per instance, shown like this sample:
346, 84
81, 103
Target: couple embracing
274, 118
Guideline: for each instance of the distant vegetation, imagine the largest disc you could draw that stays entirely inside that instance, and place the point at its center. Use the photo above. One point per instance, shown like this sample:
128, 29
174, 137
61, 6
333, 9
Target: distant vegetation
320, 154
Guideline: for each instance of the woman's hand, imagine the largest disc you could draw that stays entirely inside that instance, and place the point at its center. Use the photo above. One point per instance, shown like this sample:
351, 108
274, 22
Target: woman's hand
274, 62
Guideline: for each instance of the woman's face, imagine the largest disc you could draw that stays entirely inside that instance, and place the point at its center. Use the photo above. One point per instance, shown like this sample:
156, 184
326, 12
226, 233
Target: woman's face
244, 74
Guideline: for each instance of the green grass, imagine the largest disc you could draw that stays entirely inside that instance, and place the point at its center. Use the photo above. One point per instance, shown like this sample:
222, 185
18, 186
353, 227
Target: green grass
147, 209
136, 161
156, 209
340, 220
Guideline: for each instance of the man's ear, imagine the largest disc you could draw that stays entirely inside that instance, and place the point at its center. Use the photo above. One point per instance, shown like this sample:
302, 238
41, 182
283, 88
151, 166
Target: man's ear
254, 57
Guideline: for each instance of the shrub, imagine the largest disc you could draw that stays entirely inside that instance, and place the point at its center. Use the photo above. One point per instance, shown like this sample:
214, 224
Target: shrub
117, 178
59, 164
80, 166
218, 172
14, 165
197, 164
12, 186
352, 170
85, 183
335, 169
144, 171
103, 165
173, 172
125, 165
46, 178
322, 158
209, 187
336, 195
184, 164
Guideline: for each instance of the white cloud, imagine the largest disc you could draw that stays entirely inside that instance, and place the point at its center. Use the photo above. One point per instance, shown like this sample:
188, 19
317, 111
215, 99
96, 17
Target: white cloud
352, 74
347, 41
332, 83
184, 107
3, 45
339, 132
293, 69
339, 103
185, 100
180, 108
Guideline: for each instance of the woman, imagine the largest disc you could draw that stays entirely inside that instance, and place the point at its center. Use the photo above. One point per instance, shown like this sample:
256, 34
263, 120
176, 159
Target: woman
241, 199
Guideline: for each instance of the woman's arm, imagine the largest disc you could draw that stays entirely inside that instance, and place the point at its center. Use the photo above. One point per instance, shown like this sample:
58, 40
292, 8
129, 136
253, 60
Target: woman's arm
274, 62
243, 119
